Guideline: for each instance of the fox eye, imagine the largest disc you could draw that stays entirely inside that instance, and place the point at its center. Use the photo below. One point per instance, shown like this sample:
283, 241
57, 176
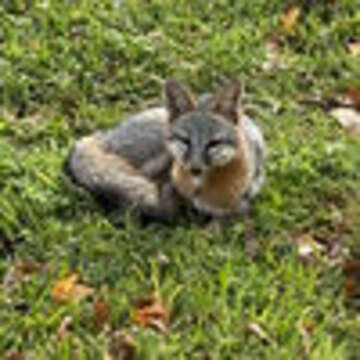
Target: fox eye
181, 138
214, 143
179, 146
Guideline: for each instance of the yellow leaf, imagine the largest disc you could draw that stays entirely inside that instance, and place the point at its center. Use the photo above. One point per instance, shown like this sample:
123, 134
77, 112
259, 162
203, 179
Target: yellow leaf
68, 289
289, 18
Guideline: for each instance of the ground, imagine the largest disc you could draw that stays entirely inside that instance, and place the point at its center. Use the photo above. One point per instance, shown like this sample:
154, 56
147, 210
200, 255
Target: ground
69, 68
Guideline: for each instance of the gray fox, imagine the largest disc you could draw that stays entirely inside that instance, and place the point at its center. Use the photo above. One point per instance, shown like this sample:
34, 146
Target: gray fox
203, 151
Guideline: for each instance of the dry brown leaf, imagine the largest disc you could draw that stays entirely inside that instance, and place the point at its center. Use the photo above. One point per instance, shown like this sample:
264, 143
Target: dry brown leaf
353, 94
68, 289
354, 48
289, 18
348, 98
349, 119
256, 329
27, 267
64, 327
351, 288
351, 267
14, 356
308, 248
151, 312
122, 347
351, 270
101, 311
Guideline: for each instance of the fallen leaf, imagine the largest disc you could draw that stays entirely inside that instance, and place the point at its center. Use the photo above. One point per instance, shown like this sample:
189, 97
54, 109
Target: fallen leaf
11, 279
64, 327
81, 291
68, 289
351, 288
64, 288
273, 54
121, 347
26, 267
256, 329
308, 248
345, 107
334, 249
351, 267
14, 356
314, 99
289, 18
101, 311
351, 270
353, 94
354, 48
151, 312
336, 252
327, 102
349, 119
18, 272
348, 98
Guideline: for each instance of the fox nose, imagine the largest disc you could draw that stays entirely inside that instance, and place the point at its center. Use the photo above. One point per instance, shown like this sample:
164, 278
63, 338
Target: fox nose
196, 171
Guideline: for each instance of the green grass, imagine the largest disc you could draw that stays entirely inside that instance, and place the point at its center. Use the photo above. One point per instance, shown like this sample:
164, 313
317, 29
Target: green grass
70, 67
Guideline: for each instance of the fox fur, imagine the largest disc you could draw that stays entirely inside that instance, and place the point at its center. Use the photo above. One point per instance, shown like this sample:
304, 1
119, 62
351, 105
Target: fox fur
203, 151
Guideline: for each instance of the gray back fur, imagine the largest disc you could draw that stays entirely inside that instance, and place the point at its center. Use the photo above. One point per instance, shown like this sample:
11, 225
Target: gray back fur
140, 138
257, 149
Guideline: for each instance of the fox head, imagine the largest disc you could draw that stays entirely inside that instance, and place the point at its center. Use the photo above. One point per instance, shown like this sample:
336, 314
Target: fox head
203, 134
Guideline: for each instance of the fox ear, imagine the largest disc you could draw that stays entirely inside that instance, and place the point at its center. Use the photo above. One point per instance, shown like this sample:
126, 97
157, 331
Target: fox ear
227, 101
178, 99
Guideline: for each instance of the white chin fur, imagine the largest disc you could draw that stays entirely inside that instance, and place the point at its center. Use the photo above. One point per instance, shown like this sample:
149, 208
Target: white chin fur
197, 181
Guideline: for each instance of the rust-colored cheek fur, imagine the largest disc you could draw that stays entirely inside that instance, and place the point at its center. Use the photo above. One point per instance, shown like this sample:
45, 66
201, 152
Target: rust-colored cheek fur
221, 186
